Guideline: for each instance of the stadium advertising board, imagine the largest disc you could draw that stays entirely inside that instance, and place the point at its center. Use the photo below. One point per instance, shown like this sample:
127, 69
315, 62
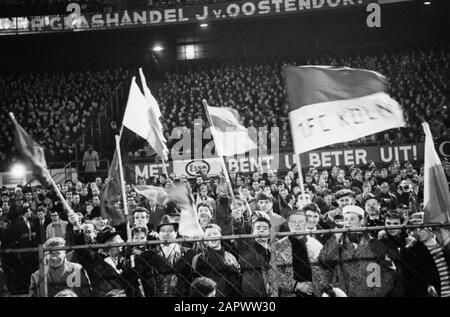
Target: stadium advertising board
190, 14
284, 161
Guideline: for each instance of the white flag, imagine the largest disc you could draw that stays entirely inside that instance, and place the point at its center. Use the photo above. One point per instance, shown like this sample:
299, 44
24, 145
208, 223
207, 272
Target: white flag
140, 118
230, 136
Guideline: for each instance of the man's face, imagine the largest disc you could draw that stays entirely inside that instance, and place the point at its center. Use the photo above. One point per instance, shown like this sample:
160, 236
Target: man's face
280, 188
115, 251
261, 227
347, 183
237, 210
287, 180
140, 219
384, 173
239, 181
359, 176
69, 196
98, 181
76, 199
56, 258
199, 180
167, 232
5, 207
41, 215
312, 218
203, 192
139, 237
28, 196
89, 233
384, 188
372, 208
95, 192
55, 217
268, 191
345, 201
284, 193
296, 190
99, 223
69, 185
63, 188
84, 192
78, 186
214, 244
393, 222
5, 198
265, 205
262, 183
297, 223
351, 220
96, 201
204, 213
255, 176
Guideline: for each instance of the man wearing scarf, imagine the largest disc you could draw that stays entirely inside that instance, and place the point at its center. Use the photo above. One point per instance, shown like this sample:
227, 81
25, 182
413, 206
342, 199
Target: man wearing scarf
219, 265
166, 270
61, 274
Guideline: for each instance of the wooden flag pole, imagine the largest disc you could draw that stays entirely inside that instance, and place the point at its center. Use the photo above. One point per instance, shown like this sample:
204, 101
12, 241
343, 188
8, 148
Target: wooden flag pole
122, 183
49, 176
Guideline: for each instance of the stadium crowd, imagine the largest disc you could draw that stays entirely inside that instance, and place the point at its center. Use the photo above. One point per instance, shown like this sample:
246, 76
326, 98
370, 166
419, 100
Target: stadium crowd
55, 109
411, 262
418, 80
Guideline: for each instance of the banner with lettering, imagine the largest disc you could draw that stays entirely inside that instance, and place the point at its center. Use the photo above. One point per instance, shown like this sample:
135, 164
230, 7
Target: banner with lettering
320, 159
191, 14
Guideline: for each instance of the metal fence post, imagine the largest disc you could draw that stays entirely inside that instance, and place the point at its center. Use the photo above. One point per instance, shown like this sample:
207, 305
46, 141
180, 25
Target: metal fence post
43, 290
273, 265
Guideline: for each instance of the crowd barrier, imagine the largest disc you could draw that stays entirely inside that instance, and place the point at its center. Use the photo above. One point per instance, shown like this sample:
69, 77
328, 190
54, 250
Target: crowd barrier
246, 269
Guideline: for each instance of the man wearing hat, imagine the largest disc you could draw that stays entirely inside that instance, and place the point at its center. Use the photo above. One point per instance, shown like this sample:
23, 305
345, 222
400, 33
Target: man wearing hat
166, 270
61, 274
372, 207
356, 262
344, 197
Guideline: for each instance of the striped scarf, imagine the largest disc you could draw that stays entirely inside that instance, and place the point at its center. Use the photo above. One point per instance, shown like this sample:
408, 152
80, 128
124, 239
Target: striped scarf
441, 265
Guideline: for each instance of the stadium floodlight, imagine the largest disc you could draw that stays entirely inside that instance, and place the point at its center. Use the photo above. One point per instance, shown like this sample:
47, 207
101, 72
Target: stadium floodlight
204, 25
157, 48
427, 3
18, 170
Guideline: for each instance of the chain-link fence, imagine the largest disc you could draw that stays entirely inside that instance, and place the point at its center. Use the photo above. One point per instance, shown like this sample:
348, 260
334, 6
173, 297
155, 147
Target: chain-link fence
359, 262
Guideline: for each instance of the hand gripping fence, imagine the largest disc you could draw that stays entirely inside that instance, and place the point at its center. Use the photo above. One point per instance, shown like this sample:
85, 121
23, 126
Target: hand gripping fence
354, 262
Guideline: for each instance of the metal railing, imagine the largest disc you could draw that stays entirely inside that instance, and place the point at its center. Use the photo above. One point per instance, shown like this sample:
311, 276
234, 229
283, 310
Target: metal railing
274, 272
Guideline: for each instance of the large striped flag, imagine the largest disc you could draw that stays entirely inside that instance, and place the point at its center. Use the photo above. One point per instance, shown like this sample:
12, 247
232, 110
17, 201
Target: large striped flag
189, 225
331, 105
32, 153
436, 196
230, 136
112, 194
140, 117
153, 193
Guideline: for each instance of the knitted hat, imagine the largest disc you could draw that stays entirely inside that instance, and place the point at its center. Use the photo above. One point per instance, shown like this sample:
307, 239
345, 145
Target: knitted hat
355, 209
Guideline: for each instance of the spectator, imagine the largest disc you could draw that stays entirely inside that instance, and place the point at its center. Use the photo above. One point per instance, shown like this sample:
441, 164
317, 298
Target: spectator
61, 274
57, 228
203, 287
219, 265
91, 162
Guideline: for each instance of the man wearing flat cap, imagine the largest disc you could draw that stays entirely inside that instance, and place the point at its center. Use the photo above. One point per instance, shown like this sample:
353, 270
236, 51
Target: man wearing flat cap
356, 262
344, 197
61, 274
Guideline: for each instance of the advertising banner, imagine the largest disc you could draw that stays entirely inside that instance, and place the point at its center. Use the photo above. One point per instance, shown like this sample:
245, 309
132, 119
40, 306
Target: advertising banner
221, 11
282, 162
